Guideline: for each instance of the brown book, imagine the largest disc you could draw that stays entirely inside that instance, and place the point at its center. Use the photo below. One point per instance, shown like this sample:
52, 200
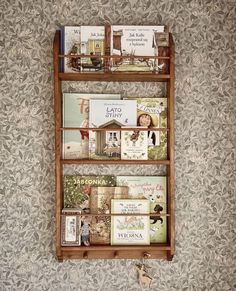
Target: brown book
100, 203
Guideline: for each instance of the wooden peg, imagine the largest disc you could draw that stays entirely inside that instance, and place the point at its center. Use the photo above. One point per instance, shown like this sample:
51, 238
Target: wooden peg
85, 255
146, 255
116, 255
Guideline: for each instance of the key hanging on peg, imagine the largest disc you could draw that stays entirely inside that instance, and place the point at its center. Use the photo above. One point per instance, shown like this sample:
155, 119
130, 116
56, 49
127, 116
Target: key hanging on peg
144, 278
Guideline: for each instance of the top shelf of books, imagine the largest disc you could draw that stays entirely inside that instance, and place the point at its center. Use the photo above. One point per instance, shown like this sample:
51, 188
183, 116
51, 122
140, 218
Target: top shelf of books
114, 53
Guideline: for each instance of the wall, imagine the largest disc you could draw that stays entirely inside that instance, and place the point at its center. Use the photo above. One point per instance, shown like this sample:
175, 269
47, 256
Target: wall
205, 118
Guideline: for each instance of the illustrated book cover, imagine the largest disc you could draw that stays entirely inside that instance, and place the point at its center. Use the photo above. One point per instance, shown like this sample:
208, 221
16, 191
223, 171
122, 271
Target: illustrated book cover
129, 41
70, 229
92, 44
75, 143
130, 230
153, 188
77, 189
100, 203
134, 145
70, 39
109, 115
152, 113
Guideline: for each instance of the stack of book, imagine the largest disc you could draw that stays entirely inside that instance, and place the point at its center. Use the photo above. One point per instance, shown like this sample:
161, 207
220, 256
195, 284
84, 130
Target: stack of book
96, 210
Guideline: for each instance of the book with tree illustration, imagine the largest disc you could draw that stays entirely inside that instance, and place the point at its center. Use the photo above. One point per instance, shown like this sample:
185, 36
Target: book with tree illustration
77, 189
152, 188
130, 230
75, 143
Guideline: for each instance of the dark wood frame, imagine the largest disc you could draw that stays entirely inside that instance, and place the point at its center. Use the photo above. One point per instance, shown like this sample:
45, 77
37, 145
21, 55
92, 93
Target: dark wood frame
153, 251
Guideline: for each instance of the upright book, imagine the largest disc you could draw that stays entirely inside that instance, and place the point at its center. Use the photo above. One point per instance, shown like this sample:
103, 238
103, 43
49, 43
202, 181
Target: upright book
70, 45
109, 115
75, 143
130, 230
77, 189
130, 41
152, 188
92, 45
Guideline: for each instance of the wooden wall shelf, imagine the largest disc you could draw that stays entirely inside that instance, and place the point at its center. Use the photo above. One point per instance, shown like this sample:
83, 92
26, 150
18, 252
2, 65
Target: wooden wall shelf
153, 251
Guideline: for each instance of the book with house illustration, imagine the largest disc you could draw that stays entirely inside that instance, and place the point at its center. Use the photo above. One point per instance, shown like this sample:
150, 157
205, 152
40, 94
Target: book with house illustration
130, 230
100, 203
75, 143
134, 145
70, 45
110, 115
152, 112
92, 44
152, 188
76, 189
128, 41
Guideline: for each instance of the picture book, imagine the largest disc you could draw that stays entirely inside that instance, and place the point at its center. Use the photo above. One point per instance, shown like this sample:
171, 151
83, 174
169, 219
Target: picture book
134, 145
70, 45
75, 144
130, 230
152, 113
152, 188
92, 45
100, 203
70, 230
109, 114
77, 189
130, 41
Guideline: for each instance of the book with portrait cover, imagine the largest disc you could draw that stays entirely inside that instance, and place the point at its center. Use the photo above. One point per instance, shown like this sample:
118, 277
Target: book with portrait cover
130, 230
152, 113
129, 41
153, 188
75, 143
70, 39
100, 203
92, 44
70, 229
134, 145
110, 115
77, 189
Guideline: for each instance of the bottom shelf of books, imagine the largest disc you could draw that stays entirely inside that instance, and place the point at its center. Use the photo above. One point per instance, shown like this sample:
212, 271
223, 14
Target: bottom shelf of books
107, 216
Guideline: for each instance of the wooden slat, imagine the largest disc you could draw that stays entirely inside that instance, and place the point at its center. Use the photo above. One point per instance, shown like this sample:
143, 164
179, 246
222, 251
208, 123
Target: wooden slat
117, 162
115, 129
116, 214
144, 248
115, 57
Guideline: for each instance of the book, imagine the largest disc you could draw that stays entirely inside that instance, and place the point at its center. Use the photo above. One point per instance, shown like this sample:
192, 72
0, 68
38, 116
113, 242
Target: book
70, 229
152, 188
92, 43
130, 230
129, 41
75, 143
77, 189
70, 45
111, 114
134, 145
152, 112
100, 203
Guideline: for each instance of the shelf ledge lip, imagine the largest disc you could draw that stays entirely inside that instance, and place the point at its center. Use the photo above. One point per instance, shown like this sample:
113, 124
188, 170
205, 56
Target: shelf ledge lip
156, 247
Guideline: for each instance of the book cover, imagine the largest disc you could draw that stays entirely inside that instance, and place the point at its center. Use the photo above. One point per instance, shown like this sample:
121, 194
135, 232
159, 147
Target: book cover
129, 41
111, 114
70, 45
134, 145
100, 203
75, 143
70, 229
92, 44
152, 112
152, 188
77, 189
130, 230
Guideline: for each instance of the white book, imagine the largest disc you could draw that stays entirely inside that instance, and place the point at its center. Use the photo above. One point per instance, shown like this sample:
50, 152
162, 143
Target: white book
130, 230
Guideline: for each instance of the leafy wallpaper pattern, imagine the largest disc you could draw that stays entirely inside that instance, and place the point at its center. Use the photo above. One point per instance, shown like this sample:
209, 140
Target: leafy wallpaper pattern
205, 147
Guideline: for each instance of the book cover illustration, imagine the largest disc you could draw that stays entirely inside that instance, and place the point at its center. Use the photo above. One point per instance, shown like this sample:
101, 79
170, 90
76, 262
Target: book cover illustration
92, 43
77, 189
152, 188
70, 45
70, 230
130, 230
109, 114
129, 41
75, 143
100, 203
134, 145
152, 112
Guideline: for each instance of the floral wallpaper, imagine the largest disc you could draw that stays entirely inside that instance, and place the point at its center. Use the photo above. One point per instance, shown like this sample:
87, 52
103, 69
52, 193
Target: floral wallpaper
205, 146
